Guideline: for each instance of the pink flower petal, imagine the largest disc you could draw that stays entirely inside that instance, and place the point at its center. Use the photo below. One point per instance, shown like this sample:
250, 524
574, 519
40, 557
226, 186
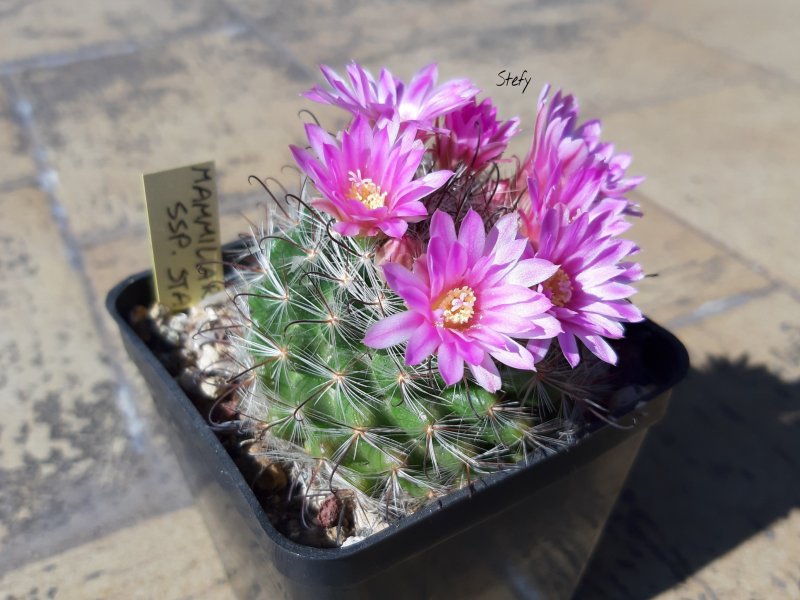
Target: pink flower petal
538, 348
393, 330
612, 291
472, 235
318, 138
400, 279
451, 364
600, 348
471, 352
487, 336
442, 226
624, 311
422, 344
513, 355
506, 322
509, 294
438, 253
531, 271
409, 287
456, 264
412, 212
419, 188
346, 229
486, 374
394, 228
570, 348
544, 327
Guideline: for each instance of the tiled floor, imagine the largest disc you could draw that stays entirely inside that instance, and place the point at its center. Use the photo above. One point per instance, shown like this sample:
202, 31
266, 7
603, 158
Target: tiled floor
704, 93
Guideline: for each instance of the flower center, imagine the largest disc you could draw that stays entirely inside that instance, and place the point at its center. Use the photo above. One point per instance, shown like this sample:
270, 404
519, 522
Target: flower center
457, 306
365, 191
558, 288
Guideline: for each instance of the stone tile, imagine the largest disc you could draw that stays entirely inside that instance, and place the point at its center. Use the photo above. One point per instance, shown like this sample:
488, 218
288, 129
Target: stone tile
109, 263
223, 97
344, 29
69, 464
686, 271
764, 33
168, 557
725, 162
595, 52
32, 29
710, 509
766, 330
16, 159
764, 566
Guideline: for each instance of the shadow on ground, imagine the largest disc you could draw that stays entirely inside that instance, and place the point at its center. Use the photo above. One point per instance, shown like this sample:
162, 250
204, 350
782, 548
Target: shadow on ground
720, 468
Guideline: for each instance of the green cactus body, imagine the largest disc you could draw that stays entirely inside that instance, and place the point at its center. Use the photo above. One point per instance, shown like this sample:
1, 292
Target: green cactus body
389, 430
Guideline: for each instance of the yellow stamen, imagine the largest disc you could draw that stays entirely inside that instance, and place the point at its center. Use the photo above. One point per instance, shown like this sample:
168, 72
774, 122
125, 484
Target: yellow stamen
365, 191
558, 288
457, 306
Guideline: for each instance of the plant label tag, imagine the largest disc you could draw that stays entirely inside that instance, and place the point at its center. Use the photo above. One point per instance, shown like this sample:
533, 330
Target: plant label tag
183, 219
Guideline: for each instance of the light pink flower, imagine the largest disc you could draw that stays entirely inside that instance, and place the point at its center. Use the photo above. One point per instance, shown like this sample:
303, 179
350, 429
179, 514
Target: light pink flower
419, 103
361, 95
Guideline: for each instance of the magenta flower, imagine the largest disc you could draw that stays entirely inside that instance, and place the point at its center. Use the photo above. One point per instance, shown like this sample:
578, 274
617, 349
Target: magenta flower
589, 289
473, 136
467, 298
419, 103
569, 166
366, 178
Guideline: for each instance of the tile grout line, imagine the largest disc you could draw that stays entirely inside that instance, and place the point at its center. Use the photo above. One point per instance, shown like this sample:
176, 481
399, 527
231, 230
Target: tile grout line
752, 265
623, 107
762, 69
113, 49
281, 49
719, 306
62, 59
645, 18
47, 180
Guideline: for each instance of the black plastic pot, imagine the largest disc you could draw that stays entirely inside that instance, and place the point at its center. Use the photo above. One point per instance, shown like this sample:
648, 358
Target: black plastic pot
524, 533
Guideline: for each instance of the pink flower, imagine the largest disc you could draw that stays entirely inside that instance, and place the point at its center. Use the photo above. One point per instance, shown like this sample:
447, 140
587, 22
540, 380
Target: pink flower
614, 185
362, 95
419, 103
403, 251
366, 177
467, 298
569, 166
589, 289
473, 136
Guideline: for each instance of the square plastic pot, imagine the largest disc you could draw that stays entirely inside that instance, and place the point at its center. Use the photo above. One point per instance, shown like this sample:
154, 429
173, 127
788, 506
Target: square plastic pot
522, 533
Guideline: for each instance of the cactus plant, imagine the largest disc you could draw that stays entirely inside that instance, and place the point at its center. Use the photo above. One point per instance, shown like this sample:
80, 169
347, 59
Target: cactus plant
398, 313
